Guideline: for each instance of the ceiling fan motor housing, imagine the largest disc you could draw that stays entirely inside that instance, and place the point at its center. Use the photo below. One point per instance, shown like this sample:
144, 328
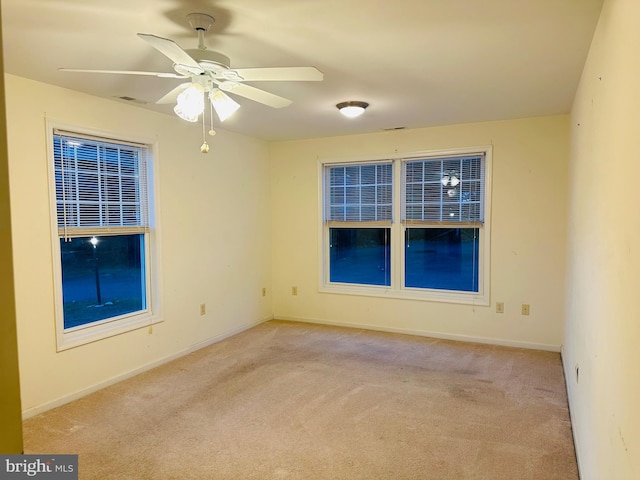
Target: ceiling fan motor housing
208, 58
214, 64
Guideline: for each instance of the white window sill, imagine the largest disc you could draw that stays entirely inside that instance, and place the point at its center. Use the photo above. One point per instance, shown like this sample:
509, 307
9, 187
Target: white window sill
112, 327
445, 296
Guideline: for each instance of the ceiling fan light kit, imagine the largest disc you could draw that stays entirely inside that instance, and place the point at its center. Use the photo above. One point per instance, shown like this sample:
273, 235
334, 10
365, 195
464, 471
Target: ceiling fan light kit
209, 73
190, 103
352, 108
223, 104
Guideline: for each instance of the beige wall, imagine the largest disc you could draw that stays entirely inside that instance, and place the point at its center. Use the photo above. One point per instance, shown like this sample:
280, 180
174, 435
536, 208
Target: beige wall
603, 314
530, 161
214, 240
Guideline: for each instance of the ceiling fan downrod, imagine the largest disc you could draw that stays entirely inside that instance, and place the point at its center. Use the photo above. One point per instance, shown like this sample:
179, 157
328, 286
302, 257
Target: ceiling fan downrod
201, 23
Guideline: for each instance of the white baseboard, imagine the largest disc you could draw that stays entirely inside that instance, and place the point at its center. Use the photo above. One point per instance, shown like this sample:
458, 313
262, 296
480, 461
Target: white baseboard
568, 377
427, 333
32, 412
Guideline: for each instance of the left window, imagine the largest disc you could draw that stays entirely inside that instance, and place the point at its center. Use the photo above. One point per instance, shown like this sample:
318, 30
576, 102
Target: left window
104, 236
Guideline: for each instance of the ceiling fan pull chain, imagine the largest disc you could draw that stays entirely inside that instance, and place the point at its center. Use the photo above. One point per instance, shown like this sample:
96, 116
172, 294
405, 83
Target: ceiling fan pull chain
205, 146
212, 132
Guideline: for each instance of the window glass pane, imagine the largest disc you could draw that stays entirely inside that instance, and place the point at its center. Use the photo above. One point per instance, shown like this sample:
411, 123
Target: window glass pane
368, 212
433, 171
337, 213
364, 192
471, 191
384, 174
384, 193
352, 213
414, 193
353, 195
336, 176
384, 211
414, 172
104, 281
352, 175
451, 211
442, 258
360, 256
432, 192
368, 195
337, 195
444, 181
470, 211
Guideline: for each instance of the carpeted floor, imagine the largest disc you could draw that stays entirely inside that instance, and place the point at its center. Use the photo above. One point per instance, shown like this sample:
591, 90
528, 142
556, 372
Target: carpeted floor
297, 401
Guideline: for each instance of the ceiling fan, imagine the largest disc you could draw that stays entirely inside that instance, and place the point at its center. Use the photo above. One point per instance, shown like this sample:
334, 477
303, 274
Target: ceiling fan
210, 74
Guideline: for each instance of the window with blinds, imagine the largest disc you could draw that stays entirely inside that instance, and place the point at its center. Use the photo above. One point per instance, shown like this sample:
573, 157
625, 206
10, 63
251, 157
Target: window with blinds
101, 186
359, 193
444, 190
105, 277
440, 248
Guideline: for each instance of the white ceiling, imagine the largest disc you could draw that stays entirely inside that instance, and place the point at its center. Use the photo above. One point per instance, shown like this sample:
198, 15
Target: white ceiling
417, 62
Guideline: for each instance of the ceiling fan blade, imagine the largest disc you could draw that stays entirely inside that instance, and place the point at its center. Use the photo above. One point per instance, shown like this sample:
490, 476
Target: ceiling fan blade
280, 74
172, 96
255, 94
124, 72
172, 50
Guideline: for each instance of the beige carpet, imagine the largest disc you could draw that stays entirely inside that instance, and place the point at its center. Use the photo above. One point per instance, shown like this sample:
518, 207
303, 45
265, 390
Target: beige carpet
296, 401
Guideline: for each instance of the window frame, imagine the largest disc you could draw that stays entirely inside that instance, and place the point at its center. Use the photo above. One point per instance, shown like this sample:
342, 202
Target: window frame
397, 289
151, 314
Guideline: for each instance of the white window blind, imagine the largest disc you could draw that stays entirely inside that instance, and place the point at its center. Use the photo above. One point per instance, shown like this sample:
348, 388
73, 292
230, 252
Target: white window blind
444, 190
359, 193
101, 185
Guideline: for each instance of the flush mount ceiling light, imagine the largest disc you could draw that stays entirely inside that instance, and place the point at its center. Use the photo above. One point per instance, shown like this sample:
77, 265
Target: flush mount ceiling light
352, 109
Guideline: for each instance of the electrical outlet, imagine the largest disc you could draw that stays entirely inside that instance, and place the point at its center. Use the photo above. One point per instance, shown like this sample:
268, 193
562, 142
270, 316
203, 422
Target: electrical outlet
264, 292
525, 309
203, 309
294, 290
499, 307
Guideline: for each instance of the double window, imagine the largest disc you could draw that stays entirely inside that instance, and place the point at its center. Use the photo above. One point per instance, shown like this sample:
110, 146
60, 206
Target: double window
103, 236
439, 247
